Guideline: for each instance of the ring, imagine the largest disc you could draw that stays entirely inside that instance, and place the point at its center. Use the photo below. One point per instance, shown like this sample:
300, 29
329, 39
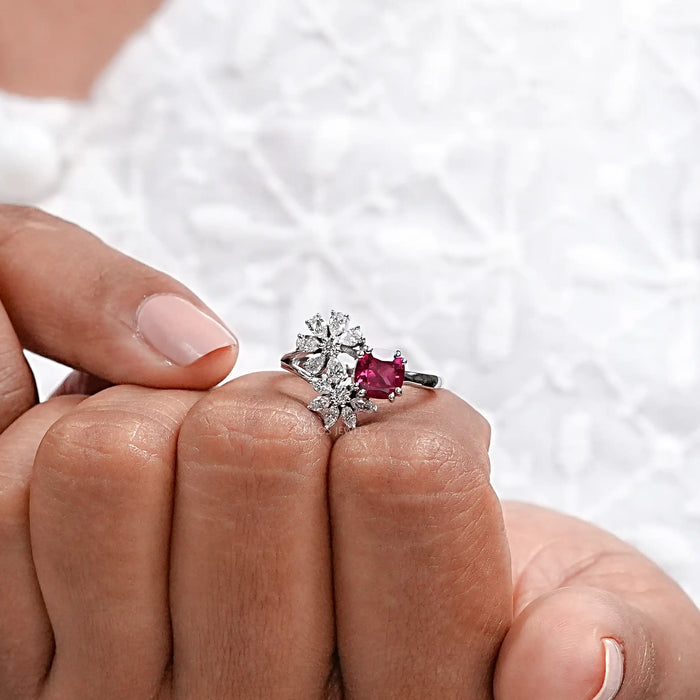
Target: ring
346, 387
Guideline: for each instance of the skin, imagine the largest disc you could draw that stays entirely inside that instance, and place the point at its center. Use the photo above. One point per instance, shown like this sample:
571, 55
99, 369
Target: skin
59, 47
180, 543
166, 541
575, 584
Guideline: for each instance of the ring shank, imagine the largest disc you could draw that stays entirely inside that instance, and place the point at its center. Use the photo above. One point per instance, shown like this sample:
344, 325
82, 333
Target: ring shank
429, 381
289, 363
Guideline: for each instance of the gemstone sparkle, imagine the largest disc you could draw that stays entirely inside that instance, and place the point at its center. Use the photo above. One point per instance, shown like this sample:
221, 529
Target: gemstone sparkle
379, 378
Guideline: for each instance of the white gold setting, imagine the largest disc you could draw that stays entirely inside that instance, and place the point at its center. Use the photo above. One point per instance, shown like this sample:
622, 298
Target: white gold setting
336, 360
339, 397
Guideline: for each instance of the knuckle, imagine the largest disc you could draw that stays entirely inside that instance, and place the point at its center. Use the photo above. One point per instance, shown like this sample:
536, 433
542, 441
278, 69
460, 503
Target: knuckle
110, 444
254, 430
410, 466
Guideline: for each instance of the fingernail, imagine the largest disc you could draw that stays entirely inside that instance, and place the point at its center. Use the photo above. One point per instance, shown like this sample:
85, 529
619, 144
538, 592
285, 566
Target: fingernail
614, 670
179, 330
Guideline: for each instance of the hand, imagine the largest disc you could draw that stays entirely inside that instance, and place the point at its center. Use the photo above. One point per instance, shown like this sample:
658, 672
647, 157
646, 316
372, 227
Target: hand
176, 544
66, 295
575, 585
181, 545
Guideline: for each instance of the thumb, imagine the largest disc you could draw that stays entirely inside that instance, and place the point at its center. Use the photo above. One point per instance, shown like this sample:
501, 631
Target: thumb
74, 299
579, 644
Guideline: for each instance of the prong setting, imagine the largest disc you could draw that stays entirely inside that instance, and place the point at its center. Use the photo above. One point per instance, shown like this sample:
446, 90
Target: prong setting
339, 363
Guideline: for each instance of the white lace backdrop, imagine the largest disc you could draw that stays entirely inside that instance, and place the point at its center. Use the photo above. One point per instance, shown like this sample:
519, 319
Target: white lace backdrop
508, 190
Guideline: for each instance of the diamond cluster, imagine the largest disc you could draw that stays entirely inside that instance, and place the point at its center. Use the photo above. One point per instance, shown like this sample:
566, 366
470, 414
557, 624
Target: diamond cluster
328, 340
340, 396
343, 390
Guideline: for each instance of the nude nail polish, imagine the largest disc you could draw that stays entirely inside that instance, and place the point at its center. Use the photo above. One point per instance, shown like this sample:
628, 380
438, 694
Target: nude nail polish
178, 330
614, 670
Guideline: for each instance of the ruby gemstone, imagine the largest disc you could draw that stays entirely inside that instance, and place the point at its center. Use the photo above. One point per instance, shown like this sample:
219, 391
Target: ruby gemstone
379, 378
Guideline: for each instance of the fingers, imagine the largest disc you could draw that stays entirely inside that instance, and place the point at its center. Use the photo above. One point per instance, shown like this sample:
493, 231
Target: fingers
596, 618
74, 299
585, 643
100, 513
17, 390
421, 565
251, 592
557, 649
26, 641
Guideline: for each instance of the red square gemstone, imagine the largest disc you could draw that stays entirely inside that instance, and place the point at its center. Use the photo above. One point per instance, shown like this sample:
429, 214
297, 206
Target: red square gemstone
379, 378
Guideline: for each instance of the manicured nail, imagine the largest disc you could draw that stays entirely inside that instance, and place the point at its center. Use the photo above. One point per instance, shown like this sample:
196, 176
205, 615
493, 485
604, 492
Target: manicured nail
179, 330
614, 670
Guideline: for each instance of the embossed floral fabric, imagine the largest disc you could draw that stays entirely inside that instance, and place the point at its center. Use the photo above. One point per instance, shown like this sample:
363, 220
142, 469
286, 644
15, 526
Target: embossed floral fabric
507, 190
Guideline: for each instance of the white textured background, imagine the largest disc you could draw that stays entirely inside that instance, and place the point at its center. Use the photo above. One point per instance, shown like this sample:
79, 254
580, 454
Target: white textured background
508, 190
